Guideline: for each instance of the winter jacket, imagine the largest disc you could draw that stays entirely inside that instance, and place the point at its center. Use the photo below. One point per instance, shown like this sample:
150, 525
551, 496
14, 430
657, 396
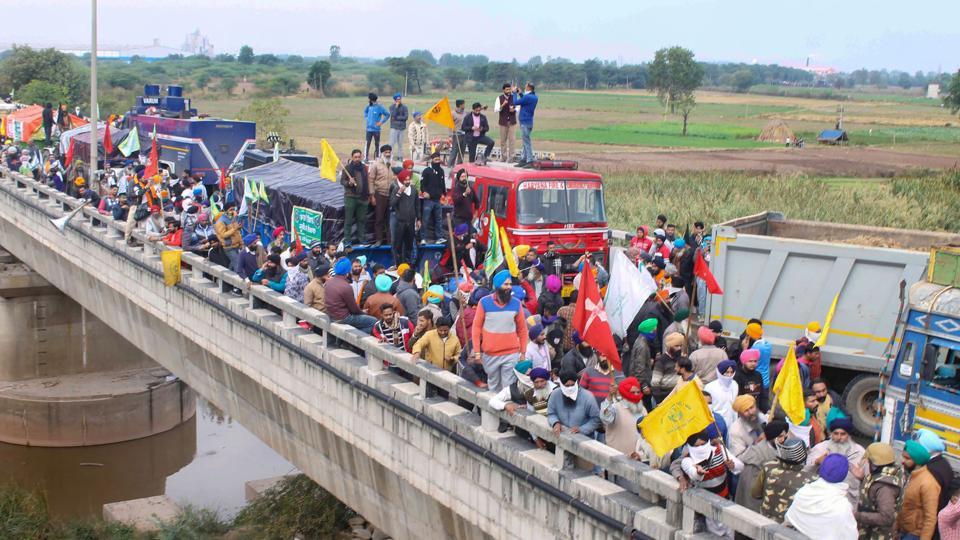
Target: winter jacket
918, 512
375, 302
440, 352
246, 264
339, 299
528, 104
507, 110
381, 177
879, 498
584, 412
228, 231
499, 329
464, 205
467, 125
432, 182
398, 116
278, 283
409, 298
417, 135
355, 186
705, 361
639, 362
314, 296
373, 114
397, 335
406, 207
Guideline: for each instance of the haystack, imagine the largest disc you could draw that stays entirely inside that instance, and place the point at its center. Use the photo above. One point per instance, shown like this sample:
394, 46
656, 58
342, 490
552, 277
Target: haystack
777, 131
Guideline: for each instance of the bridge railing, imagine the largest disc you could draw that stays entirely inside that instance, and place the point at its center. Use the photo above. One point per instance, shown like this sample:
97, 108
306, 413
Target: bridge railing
652, 485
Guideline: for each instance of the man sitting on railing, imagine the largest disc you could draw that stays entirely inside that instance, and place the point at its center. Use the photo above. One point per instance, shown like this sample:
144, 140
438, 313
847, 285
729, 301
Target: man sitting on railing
393, 328
340, 302
271, 274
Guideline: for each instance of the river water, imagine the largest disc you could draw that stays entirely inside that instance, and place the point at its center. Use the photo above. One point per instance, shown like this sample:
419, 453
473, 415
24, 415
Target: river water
204, 462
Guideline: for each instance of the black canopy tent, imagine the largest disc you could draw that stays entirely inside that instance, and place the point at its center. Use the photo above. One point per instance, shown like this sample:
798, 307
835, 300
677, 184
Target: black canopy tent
81, 141
290, 184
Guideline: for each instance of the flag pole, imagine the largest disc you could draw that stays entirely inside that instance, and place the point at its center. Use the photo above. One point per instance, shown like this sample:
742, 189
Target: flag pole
456, 269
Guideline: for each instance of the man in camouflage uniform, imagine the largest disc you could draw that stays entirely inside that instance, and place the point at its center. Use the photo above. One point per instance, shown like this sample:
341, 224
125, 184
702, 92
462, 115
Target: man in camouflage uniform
779, 480
879, 493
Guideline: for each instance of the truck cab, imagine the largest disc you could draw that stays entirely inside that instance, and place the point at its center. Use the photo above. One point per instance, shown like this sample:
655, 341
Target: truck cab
924, 387
551, 201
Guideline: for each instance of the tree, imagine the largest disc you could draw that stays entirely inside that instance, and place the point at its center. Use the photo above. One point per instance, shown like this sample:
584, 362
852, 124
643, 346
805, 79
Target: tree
318, 75
42, 92
952, 97
227, 84
423, 55
24, 65
267, 59
904, 81
454, 77
334, 54
269, 114
224, 57
741, 80
294, 59
203, 79
246, 55
685, 106
535, 62
675, 75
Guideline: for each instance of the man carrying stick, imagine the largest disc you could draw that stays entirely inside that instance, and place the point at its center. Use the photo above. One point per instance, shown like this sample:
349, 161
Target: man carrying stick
356, 199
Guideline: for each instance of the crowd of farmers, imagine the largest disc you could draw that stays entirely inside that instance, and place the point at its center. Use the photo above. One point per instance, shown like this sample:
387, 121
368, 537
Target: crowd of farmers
511, 331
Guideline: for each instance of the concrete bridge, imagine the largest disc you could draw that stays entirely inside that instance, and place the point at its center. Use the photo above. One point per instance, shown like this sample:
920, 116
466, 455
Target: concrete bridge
416, 465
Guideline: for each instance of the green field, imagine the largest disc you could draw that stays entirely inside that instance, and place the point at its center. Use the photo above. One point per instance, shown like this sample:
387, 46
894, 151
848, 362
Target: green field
663, 134
928, 203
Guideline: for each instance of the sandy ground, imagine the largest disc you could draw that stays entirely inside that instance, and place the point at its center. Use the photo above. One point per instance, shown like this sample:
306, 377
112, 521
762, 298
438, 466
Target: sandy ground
827, 161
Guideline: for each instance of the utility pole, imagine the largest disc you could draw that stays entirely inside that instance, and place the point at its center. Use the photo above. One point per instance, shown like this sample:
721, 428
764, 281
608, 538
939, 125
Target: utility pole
94, 110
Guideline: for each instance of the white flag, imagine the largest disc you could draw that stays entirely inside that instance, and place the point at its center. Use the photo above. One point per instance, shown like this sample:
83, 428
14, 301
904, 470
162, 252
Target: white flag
628, 289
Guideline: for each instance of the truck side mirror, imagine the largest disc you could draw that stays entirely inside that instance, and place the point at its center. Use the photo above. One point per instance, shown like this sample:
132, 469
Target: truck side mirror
929, 364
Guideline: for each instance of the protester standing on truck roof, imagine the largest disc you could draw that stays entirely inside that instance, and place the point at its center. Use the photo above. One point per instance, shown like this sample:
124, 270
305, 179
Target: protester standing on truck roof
398, 125
433, 186
417, 136
475, 128
381, 179
405, 204
374, 115
507, 121
465, 201
457, 141
356, 199
527, 101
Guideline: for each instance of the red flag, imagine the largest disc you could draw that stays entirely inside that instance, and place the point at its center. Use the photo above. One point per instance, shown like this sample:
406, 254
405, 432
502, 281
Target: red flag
590, 319
107, 143
297, 244
153, 163
702, 271
69, 158
223, 180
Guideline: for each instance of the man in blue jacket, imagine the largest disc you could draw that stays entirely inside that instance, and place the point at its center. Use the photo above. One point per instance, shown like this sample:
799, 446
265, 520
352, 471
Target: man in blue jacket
527, 101
398, 125
375, 115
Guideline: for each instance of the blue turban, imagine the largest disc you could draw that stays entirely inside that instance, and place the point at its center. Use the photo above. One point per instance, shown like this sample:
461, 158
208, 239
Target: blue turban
250, 238
500, 277
460, 229
722, 367
539, 373
519, 293
834, 468
679, 243
523, 367
930, 441
342, 267
763, 365
535, 331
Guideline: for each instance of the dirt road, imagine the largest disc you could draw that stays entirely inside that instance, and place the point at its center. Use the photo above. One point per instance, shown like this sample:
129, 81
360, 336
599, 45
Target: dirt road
828, 161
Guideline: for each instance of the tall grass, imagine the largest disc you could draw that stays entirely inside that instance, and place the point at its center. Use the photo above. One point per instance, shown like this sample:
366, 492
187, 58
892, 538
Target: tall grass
928, 202
24, 515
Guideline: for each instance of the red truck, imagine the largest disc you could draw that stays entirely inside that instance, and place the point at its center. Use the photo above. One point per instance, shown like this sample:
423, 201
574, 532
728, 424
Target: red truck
551, 200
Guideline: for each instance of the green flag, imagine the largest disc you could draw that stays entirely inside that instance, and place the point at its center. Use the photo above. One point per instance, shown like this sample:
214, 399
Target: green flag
494, 256
426, 275
131, 144
248, 193
263, 193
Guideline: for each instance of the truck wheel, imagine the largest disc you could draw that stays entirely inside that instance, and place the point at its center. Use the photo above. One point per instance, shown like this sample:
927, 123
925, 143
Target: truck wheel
860, 400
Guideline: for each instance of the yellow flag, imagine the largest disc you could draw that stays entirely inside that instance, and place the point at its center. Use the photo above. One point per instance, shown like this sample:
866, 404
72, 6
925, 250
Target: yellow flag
508, 253
679, 416
789, 389
441, 113
822, 340
171, 266
329, 162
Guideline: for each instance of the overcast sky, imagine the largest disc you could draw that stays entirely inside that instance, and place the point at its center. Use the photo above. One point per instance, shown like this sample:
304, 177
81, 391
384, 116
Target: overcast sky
846, 34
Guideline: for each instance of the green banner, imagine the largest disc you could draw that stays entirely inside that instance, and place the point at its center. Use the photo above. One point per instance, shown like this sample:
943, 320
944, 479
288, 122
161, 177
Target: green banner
306, 223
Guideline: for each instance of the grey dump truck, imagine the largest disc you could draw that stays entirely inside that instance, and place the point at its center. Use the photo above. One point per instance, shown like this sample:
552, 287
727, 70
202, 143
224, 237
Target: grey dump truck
787, 273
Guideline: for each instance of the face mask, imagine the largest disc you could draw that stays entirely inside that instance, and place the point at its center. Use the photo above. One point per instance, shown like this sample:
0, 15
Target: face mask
570, 392
700, 453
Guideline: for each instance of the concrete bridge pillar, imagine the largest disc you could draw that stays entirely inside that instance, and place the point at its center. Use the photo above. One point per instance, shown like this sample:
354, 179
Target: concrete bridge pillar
67, 379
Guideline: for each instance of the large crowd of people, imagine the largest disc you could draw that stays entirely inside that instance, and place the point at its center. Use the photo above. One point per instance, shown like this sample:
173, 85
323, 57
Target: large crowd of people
512, 333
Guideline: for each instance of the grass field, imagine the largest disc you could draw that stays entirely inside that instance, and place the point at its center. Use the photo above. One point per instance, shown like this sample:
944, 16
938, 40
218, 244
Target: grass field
569, 120
663, 134
927, 203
